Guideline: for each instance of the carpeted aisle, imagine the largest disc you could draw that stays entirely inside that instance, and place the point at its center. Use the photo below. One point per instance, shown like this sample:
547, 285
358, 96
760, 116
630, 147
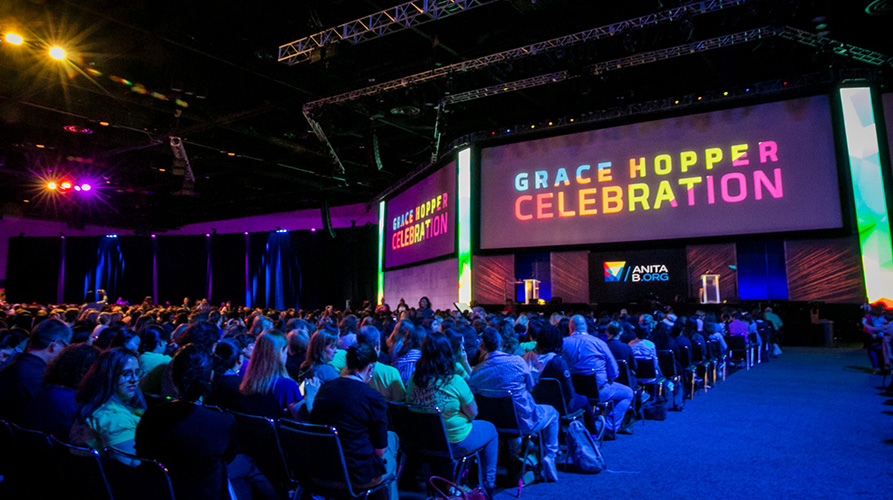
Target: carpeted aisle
810, 424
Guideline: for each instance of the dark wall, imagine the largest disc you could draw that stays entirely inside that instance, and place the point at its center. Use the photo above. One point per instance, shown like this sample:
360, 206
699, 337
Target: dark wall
301, 269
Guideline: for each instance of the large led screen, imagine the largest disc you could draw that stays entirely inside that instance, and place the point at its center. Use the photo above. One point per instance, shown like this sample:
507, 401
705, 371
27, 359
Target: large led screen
757, 169
420, 222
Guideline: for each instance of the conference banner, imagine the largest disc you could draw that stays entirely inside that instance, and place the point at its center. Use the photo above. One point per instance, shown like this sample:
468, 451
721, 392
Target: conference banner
420, 222
757, 169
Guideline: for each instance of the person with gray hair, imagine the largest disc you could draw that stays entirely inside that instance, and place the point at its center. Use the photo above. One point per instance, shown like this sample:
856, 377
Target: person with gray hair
586, 353
21, 379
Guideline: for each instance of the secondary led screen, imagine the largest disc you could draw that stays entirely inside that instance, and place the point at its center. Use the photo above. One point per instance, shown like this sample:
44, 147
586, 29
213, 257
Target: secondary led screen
420, 222
758, 169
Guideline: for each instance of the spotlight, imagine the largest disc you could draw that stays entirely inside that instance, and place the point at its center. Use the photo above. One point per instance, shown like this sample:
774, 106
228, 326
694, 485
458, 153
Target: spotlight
51, 185
153, 235
65, 185
14, 39
111, 236
86, 187
57, 53
77, 188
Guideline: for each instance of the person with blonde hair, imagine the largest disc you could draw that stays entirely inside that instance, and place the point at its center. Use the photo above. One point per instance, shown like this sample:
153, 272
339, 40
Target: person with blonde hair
266, 388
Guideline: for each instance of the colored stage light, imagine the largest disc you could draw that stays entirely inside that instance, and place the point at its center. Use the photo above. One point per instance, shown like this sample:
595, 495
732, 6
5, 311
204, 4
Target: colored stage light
66, 185
51, 185
57, 53
77, 188
14, 39
86, 187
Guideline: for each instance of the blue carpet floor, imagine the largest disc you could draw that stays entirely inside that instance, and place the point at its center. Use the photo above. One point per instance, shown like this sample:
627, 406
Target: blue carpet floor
810, 424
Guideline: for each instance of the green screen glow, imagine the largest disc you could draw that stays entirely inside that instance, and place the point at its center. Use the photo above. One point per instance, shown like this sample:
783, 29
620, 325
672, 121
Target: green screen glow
868, 192
380, 251
464, 223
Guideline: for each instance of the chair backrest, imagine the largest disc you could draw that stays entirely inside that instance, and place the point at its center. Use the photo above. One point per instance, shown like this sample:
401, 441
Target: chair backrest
33, 447
82, 472
548, 391
667, 362
685, 354
714, 350
322, 471
148, 480
498, 408
697, 355
153, 400
8, 444
420, 429
259, 439
645, 368
623, 373
736, 343
586, 384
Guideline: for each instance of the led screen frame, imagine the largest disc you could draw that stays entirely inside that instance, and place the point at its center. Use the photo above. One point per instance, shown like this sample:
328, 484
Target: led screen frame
743, 136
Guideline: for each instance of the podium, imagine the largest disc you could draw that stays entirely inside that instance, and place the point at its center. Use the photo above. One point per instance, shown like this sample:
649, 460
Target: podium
710, 289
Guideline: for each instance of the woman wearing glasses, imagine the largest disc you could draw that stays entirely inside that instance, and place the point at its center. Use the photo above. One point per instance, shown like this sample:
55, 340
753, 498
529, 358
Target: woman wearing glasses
111, 402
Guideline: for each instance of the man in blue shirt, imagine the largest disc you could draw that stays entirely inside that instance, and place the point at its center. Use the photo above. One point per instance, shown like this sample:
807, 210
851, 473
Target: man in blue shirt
586, 353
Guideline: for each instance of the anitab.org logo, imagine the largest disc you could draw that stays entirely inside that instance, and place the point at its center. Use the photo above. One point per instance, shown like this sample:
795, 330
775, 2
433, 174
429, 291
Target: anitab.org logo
614, 271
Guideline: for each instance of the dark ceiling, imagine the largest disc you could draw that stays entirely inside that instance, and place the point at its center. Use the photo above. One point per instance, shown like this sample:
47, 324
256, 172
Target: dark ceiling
140, 72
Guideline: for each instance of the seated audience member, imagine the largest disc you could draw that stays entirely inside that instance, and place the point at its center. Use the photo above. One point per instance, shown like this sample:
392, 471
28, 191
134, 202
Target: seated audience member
226, 381
506, 372
359, 413
737, 327
457, 341
320, 352
266, 388
21, 379
385, 378
153, 343
644, 348
548, 350
694, 335
111, 402
409, 353
586, 353
394, 342
298, 340
348, 329
621, 350
436, 383
198, 445
10, 342
53, 409
124, 337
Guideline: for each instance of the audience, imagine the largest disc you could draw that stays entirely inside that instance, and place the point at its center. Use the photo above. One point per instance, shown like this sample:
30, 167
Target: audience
92, 394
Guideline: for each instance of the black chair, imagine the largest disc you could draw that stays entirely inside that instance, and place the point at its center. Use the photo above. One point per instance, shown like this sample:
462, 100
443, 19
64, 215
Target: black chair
148, 480
323, 471
498, 408
701, 364
624, 376
667, 362
259, 439
587, 385
689, 371
32, 447
82, 473
741, 348
645, 370
423, 437
8, 444
548, 391
718, 359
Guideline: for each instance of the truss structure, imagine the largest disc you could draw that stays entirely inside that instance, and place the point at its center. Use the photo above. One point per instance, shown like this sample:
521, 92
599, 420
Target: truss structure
599, 33
321, 135
842, 49
376, 25
615, 64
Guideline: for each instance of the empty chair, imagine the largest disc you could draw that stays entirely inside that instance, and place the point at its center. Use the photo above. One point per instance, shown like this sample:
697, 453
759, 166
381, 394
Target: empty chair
148, 480
31, 448
645, 370
667, 362
82, 473
740, 348
259, 439
322, 471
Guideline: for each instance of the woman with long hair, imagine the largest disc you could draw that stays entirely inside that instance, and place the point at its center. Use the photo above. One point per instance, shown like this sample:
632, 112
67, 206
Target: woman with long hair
409, 353
436, 383
320, 352
266, 388
111, 402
